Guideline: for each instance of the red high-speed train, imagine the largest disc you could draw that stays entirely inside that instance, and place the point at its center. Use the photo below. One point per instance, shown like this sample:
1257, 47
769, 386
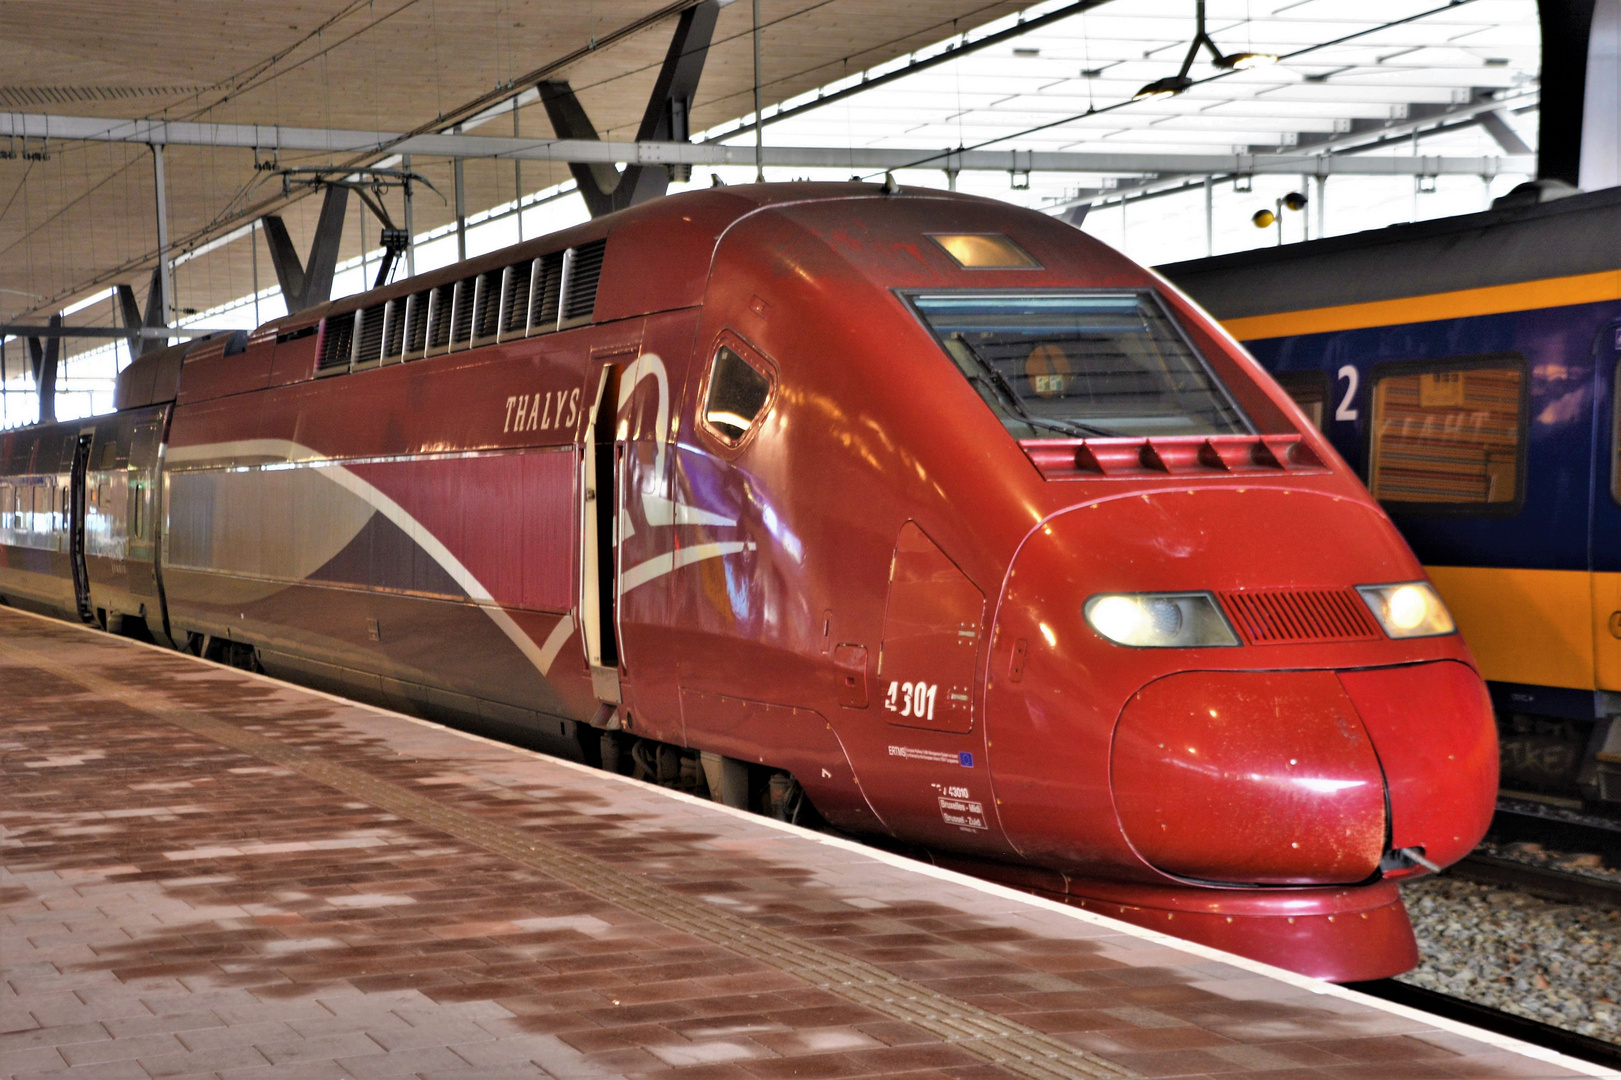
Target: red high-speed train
915, 511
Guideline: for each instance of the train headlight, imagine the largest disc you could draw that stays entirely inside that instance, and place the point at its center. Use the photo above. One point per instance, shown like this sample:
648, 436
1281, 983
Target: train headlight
1411, 609
1159, 620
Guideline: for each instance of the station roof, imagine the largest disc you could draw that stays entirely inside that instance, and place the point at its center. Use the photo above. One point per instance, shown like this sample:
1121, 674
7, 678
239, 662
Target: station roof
77, 216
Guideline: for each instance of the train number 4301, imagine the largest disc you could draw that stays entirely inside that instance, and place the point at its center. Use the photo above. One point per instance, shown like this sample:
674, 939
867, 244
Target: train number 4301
911, 699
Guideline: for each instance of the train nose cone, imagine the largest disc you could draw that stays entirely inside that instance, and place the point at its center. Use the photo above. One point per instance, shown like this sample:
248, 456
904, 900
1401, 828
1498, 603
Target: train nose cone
1293, 754
1432, 726
1249, 777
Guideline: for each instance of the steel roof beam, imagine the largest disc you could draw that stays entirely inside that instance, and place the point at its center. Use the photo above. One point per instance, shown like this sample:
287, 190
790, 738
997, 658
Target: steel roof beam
54, 330
149, 333
564, 151
305, 286
46, 359
604, 188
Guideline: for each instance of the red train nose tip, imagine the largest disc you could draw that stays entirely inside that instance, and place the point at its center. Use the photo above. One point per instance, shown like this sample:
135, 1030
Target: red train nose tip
1251, 777
1432, 725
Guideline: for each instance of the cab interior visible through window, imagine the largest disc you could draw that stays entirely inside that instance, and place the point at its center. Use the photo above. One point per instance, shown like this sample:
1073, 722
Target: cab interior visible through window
1057, 364
737, 394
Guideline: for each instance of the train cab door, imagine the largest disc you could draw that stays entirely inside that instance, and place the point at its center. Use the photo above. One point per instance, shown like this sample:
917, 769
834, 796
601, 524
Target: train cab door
599, 529
1604, 521
623, 486
78, 498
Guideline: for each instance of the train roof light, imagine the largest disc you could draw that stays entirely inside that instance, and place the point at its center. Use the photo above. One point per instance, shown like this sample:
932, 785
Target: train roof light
985, 251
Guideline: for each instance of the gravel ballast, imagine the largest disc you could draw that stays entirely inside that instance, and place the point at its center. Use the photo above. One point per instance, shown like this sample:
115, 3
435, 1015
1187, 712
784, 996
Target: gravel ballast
1554, 962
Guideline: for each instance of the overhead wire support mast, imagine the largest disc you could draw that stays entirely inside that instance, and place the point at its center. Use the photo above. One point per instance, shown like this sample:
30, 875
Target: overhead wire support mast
759, 126
164, 281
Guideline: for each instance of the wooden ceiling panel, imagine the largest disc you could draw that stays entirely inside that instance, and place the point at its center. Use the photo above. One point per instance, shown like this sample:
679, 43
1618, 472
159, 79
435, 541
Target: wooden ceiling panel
85, 217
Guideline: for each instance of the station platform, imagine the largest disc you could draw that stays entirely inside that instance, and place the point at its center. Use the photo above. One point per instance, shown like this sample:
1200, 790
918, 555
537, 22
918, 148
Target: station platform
208, 873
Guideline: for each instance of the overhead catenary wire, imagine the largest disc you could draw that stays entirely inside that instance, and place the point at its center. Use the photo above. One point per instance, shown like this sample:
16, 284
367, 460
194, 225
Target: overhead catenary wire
1450, 6
226, 221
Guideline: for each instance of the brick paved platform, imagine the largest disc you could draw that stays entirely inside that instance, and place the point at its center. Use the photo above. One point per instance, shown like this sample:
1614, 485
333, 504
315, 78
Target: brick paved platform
206, 873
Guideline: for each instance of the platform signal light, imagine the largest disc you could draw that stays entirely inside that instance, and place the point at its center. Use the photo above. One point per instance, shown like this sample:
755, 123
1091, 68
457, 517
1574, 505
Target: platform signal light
1265, 219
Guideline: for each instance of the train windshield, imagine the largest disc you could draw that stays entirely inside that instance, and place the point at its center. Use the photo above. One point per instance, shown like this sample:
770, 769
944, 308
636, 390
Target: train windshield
1079, 364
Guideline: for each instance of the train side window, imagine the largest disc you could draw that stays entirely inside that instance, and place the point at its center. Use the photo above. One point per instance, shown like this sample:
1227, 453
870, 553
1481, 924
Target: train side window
1449, 436
1615, 431
736, 395
1309, 389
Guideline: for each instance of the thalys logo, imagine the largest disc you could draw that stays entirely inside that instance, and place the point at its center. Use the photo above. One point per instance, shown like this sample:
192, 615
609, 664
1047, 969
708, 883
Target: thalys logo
542, 412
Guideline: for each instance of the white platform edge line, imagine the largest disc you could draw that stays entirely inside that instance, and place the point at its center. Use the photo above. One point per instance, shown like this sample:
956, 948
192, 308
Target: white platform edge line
1277, 974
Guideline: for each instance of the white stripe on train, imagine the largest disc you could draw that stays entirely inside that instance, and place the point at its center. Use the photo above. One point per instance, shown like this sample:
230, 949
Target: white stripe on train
285, 452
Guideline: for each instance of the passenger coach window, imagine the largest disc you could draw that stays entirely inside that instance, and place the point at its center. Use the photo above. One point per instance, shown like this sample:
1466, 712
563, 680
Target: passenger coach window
1309, 389
738, 392
1066, 364
1448, 435
1615, 433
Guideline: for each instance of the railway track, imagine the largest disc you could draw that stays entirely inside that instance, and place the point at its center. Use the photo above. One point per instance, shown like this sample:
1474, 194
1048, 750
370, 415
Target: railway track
1547, 830
1546, 882
1531, 848
1565, 827
1583, 1047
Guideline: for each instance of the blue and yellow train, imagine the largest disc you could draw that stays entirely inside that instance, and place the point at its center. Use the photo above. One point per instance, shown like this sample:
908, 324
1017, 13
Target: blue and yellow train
1466, 368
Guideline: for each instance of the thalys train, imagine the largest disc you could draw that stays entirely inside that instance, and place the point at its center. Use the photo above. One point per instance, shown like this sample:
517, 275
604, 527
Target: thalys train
912, 511
1467, 369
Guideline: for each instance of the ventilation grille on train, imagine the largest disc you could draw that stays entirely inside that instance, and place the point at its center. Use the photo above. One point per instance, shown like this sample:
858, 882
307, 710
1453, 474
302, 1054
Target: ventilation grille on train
1275, 616
515, 300
487, 305
337, 342
584, 271
535, 296
547, 291
371, 334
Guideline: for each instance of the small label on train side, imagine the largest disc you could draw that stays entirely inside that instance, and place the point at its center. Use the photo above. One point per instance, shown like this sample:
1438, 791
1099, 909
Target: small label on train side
964, 813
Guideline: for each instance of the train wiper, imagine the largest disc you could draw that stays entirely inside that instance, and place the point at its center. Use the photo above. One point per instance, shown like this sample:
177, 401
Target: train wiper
1004, 389
1066, 427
